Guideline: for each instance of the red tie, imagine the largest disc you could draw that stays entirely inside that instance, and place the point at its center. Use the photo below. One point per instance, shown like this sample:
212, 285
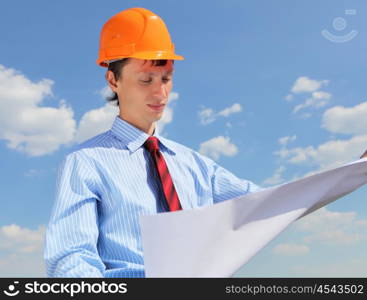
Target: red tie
151, 144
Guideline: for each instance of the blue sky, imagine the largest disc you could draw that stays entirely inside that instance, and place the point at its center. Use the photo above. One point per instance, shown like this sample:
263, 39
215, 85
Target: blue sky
261, 90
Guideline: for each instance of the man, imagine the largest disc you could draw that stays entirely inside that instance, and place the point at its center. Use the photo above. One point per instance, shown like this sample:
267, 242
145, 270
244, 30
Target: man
107, 182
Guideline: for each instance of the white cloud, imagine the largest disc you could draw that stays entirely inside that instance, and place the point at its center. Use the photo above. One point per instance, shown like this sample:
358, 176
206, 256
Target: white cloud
318, 99
291, 249
38, 130
105, 92
325, 230
33, 172
21, 251
208, 115
286, 140
96, 121
235, 108
218, 146
327, 155
321, 95
336, 237
26, 125
289, 97
276, 178
305, 84
229, 125
347, 120
306, 116
20, 239
22, 265
335, 152
323, 217
343, 267
167, 116
334, 228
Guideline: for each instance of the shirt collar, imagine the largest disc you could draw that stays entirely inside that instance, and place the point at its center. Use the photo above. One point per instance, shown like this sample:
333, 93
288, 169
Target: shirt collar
134, 138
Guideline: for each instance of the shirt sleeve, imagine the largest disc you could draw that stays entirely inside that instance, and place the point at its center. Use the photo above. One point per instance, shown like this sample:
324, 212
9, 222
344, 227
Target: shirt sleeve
227, 186
72, 233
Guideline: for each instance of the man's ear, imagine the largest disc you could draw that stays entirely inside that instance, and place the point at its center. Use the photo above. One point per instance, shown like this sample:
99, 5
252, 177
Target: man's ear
111, 80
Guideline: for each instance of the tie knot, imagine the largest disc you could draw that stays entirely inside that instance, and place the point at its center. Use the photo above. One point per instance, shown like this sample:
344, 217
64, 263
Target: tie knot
151, 144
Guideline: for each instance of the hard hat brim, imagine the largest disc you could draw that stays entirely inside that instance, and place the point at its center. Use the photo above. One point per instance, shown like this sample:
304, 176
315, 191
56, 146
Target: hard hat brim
150, 55
157, 55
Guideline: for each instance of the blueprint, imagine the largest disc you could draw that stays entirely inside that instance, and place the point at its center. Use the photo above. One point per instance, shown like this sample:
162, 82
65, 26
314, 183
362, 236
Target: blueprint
215, 241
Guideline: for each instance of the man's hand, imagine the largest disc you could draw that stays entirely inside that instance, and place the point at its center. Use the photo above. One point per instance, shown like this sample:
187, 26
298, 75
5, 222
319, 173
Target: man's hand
364, 155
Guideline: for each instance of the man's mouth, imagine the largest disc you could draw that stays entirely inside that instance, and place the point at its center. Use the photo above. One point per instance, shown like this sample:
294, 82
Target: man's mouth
157, 107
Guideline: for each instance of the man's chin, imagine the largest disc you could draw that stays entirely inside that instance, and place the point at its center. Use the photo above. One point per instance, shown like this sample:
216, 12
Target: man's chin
158, 116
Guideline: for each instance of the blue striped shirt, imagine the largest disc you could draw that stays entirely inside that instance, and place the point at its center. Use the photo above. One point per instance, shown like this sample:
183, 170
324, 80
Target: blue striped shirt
106, 183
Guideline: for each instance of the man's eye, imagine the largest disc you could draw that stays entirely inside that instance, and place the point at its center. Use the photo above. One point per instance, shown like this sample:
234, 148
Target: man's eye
165, 80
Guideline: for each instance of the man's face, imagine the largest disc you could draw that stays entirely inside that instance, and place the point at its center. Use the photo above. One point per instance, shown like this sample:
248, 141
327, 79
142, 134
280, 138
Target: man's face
143, 91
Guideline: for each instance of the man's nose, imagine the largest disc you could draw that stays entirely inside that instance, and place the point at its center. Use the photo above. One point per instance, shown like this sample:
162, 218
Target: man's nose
161, 90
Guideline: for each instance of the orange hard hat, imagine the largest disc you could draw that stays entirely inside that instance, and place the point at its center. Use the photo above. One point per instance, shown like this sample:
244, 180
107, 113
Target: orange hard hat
135, 32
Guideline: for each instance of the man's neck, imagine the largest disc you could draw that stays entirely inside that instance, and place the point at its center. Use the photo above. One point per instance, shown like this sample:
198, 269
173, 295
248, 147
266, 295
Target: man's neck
149, 129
